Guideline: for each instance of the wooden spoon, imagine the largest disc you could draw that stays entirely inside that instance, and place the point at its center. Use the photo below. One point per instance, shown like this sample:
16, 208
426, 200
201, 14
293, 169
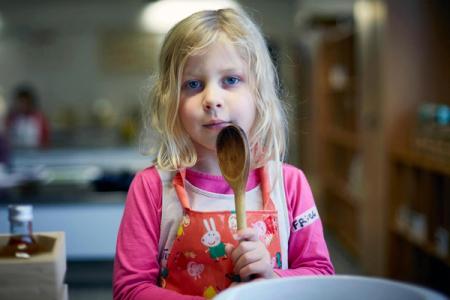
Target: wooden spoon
234, 162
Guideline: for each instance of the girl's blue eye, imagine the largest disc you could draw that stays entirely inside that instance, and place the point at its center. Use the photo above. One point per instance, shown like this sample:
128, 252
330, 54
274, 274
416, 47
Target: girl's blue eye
193, 84
232, 80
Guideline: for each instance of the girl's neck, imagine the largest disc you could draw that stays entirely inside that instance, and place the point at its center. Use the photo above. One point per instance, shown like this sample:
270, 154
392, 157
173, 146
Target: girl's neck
206, 161
207, 165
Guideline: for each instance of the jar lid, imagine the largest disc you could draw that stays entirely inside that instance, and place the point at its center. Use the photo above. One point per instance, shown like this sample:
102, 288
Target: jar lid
21, 213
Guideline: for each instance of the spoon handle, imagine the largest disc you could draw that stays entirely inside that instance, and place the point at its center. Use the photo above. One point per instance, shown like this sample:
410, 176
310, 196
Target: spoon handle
239, 202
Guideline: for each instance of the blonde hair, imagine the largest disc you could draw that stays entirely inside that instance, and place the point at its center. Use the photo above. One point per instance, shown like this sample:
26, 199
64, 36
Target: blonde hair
268, 135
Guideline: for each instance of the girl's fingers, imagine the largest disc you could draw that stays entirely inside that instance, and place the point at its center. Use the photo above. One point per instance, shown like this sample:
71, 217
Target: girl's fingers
250, 257
259, 267
241, 249
248, 234
245, 260
229, 249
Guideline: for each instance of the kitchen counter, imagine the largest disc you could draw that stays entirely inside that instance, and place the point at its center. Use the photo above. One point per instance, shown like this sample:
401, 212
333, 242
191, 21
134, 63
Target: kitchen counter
69, 167
61, 195
62, 185
110, 158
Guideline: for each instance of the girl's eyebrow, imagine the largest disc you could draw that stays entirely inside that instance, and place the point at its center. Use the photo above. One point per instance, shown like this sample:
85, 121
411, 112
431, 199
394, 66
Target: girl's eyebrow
190, 73
232, 70
194, 73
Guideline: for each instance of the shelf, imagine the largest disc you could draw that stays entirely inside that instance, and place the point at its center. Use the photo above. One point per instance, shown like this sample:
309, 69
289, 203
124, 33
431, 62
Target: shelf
342, 137
348, 243
350, 89
421, 159
340, 189
426, 247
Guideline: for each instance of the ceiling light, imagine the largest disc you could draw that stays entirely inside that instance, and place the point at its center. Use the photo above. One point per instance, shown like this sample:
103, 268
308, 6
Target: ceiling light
160, 16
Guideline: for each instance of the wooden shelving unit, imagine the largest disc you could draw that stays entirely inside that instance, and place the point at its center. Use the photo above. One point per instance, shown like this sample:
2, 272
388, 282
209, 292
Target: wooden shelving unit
385, 190
420, 159
427, 247
419, 203
340, 189
418, 175
342, 137
338, 142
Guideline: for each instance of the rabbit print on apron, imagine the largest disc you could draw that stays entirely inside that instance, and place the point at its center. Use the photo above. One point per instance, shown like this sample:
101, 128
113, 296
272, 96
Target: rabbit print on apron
197, 263
211, 239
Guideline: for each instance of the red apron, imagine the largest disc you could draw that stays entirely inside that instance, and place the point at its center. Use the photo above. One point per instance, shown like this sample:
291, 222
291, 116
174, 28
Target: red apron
197, 262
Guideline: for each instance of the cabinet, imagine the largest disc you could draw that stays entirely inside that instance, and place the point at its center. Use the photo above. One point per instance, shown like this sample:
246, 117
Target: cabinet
384, 176
420, 218
417, 43
330, 121
338, 143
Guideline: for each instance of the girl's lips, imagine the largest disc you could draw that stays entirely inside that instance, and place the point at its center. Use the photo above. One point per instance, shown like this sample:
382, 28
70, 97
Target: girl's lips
218, 125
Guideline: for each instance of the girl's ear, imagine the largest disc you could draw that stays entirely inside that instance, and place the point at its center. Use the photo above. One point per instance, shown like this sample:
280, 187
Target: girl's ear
205, 222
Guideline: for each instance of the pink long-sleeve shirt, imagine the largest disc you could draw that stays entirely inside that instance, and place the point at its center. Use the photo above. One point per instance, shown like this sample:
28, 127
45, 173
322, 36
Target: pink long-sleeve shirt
136, 266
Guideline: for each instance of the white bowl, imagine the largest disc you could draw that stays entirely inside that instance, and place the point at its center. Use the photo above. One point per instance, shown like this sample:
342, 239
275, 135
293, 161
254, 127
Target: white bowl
338, 287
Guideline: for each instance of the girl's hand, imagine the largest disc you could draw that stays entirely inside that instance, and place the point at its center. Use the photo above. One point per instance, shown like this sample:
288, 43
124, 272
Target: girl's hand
251, 257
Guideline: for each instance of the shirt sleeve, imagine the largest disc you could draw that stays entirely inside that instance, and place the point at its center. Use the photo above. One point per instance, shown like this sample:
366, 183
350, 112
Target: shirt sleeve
307, 249
136, 264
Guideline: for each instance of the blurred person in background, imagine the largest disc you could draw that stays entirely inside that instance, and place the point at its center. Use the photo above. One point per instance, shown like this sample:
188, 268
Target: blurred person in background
26, 125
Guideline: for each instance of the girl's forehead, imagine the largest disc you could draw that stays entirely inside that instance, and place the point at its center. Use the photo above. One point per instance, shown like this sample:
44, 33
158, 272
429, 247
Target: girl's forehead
223, 54
219, 42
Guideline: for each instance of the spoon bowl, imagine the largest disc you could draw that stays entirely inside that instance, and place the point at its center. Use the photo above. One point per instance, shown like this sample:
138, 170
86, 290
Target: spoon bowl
234, 161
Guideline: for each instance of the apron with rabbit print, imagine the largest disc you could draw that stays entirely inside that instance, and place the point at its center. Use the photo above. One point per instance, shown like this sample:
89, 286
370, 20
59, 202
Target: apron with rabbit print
197, 262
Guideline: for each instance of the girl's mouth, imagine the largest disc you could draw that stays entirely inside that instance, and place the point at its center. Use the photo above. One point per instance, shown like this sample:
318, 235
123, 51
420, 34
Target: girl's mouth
216, 125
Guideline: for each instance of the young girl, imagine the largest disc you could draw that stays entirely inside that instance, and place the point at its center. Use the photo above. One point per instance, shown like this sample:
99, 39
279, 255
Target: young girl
178, 237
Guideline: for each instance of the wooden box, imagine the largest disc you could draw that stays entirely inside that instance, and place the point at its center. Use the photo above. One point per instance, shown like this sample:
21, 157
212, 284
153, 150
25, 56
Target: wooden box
38, 277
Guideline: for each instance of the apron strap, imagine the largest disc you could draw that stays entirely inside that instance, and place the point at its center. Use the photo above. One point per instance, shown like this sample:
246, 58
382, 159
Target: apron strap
178, 183
265, 189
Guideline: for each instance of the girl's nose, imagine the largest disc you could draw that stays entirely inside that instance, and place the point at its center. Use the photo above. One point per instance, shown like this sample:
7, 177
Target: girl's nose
212, 99
211, 104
